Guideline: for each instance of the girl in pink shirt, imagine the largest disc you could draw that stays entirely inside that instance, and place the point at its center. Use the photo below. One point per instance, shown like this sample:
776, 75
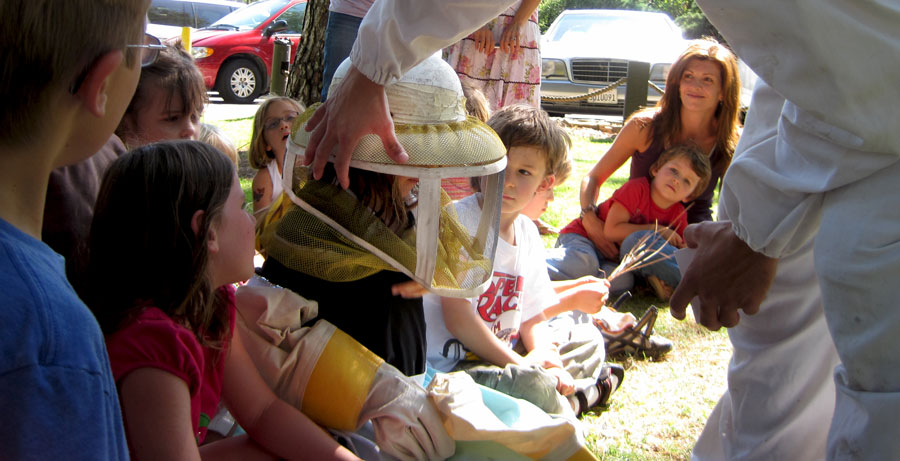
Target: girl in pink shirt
169, 238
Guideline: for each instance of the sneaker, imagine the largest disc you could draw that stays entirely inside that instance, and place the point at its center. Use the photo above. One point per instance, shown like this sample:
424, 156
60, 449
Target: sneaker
608, 383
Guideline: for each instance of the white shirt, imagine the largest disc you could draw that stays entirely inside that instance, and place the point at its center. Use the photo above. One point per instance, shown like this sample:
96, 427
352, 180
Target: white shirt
356, 8
275, 176
519, 290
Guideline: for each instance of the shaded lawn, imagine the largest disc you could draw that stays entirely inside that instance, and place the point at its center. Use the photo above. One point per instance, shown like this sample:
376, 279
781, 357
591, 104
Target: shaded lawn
662, 406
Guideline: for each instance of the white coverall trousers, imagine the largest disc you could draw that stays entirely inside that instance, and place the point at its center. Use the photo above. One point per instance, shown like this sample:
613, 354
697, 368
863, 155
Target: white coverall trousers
780, 388
815, 183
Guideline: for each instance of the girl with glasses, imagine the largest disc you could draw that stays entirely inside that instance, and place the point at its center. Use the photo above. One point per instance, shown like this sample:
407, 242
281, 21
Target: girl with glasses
271, 128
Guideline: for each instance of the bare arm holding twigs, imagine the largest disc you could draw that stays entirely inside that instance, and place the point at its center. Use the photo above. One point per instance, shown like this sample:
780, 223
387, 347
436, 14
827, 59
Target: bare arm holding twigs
587, 294
647, 247
640, 256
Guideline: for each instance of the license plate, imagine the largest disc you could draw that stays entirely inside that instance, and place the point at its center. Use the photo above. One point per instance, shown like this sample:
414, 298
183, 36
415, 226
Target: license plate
610, 97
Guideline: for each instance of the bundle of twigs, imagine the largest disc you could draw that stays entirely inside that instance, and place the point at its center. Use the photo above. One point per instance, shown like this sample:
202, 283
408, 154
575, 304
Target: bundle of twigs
642, 254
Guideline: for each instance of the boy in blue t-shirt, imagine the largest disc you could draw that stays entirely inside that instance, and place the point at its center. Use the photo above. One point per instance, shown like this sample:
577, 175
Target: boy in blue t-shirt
70, 69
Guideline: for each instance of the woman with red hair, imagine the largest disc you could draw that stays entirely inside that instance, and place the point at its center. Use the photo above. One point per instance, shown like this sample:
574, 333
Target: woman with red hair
700, 107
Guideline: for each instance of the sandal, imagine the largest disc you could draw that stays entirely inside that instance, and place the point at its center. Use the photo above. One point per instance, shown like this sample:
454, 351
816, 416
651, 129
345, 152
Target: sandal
636, 339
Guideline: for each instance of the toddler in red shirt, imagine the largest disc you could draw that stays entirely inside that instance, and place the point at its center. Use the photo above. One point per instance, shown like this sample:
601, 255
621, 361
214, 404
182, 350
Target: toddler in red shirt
645, 205
641, 206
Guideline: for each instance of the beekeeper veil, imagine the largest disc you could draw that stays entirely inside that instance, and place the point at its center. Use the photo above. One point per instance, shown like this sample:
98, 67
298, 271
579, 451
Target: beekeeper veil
332, 235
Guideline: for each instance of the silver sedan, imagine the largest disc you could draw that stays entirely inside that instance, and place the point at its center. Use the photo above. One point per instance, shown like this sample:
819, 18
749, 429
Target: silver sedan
587, 50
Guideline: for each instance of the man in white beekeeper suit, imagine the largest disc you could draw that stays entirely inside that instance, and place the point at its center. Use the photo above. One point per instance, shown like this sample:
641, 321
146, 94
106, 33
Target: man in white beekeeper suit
813, 198
817, 177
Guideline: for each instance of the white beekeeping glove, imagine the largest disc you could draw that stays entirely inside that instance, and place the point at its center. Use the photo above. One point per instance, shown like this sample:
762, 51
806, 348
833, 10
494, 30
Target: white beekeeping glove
333, 379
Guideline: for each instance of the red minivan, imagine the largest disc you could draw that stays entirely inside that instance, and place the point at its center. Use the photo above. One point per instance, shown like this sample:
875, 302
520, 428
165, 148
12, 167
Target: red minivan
235, 53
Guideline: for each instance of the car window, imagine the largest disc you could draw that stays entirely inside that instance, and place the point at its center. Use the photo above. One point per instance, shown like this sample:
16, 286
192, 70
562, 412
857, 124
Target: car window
251, 16
170, 13
207, 14
294, 18
580, 28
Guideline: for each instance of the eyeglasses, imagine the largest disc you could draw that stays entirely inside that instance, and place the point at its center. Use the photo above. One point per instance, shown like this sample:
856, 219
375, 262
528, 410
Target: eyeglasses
149, 53
276, 122
149, 50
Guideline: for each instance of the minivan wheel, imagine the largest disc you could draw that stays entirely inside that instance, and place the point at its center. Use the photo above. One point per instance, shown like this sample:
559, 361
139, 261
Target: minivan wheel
240, 82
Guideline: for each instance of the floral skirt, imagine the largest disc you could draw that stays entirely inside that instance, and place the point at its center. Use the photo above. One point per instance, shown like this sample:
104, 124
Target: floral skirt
504, 78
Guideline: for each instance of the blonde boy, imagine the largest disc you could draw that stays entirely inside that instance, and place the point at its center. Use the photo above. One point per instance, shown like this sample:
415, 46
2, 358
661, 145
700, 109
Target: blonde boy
499, 337
67, 73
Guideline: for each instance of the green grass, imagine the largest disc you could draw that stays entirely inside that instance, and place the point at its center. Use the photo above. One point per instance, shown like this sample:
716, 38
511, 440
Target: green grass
240, 131
245, 185
662, 405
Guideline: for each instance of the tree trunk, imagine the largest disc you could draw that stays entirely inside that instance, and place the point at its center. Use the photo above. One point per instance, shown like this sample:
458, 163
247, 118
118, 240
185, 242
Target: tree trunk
305, 81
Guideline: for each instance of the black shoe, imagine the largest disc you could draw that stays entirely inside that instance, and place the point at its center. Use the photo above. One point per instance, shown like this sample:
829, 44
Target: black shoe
609, 381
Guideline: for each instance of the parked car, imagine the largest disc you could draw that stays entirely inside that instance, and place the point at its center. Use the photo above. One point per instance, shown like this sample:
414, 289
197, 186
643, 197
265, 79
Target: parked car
167, 17
585, 50
234, 54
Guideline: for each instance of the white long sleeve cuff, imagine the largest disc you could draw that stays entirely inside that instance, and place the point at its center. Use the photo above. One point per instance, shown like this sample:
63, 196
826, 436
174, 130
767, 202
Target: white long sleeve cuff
829, 60
834, 59
786, 160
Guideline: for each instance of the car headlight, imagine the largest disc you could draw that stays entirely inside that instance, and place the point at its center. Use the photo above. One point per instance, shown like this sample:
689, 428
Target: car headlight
200, 52
553, 68
660, 72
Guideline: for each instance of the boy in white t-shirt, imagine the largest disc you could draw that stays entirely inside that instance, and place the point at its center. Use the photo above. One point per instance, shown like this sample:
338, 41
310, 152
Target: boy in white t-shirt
500, 338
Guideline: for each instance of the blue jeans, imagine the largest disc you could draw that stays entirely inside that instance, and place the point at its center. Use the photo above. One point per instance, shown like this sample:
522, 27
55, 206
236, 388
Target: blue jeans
340, 33
575, 256
666, 270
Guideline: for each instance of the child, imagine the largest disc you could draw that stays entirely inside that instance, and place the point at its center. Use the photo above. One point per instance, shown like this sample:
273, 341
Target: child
389, 324
71, 194
172, 212
538, 205
355, 252
168, 102
217, 138
476, 103
69, 70
643, 205
271, 128
487, 335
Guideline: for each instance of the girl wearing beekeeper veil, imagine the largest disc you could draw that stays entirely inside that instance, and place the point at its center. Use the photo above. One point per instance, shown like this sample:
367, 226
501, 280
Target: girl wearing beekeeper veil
366, 255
